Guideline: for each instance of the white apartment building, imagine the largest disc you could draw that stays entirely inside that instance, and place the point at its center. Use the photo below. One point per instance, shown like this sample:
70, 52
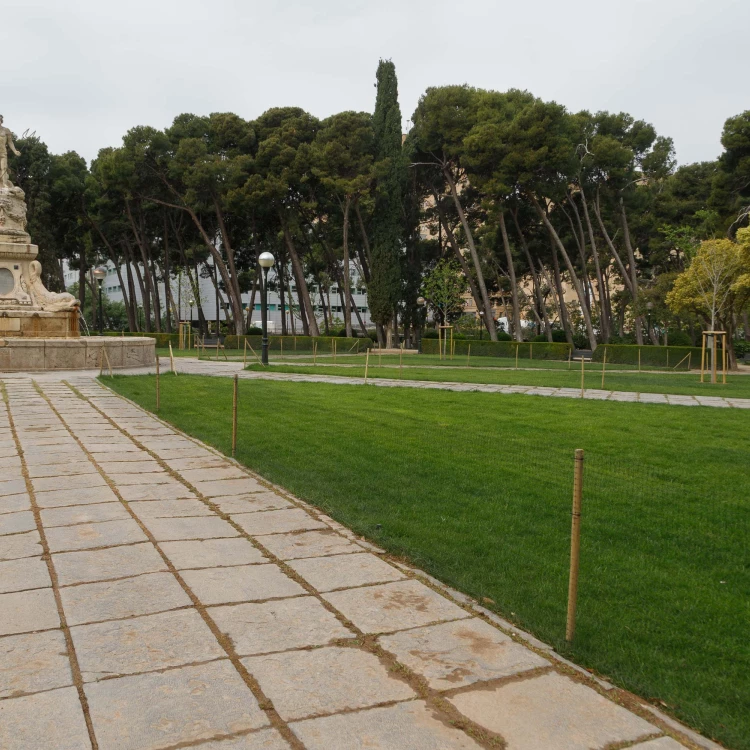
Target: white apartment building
182, 294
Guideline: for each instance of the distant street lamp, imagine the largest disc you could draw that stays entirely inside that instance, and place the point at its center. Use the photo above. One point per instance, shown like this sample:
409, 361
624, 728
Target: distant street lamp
421, 302
100, 274
266, 260
649, 307
481, 323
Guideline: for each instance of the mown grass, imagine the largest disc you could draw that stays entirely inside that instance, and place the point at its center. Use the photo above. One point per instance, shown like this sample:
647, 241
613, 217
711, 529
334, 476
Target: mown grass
476, 489
737, 386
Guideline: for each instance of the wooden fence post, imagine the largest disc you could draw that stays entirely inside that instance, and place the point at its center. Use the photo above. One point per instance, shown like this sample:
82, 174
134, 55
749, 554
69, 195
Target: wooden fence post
234, 414
367, 363
171, 359
604, 366
575, 546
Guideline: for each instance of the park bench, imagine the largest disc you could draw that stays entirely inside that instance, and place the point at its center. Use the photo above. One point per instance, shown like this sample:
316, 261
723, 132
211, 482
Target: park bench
215, 342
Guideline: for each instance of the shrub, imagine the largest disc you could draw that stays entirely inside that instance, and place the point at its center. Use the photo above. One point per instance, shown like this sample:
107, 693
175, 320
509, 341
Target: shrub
650, 356
254, 331
430, 333
507, 349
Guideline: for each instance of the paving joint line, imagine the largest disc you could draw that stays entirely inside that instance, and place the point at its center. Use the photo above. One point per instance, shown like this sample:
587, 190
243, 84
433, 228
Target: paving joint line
47, 557
448, 713
264, 703
615, 694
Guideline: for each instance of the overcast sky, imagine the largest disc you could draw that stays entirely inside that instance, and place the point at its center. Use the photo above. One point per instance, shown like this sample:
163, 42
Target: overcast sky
82, 72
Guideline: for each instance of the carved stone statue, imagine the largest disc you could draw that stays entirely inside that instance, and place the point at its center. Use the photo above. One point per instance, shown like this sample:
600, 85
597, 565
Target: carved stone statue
49, 301
6, 142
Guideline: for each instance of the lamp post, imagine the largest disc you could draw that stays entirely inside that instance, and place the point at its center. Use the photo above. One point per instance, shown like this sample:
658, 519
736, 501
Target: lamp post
421, 302
649, 307
265, 261
100, 274
481, 324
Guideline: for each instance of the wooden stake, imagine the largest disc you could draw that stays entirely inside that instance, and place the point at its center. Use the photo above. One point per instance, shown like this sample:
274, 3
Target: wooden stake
604, 366
401, 362
570, 356
468, 357
171, 359
315, 352
281, 356
531, 350
516, 356
109, 364
575, 546
158, 399
639, 359
724, 357
244, 355
234, 414
367, 363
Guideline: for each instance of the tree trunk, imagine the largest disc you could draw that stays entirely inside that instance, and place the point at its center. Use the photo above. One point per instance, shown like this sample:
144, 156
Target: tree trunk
346, 269
443, 222
299, 277
488, 322
512, 275
233, 287
251, 304
82, 281
564, 319
571, 270
364, 254
605, 315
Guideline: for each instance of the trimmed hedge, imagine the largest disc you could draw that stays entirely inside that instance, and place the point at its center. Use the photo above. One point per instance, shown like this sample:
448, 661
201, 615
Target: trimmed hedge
291, 343
506, 349
162, 339
672, 357
301, 343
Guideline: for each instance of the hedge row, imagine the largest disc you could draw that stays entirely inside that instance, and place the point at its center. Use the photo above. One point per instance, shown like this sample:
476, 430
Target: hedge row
672, 357
290, 343
507, 349
301, 344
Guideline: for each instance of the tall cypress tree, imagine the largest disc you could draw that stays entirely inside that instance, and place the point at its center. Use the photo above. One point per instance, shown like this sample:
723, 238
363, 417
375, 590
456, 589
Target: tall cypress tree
384, 289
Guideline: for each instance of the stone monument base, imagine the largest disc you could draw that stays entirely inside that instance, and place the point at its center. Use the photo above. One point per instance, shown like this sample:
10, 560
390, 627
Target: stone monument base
39, 324
19, 354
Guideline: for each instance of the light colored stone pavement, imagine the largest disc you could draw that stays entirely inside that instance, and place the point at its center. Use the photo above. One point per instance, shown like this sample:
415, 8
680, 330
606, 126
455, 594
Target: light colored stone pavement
228, 369
154, 594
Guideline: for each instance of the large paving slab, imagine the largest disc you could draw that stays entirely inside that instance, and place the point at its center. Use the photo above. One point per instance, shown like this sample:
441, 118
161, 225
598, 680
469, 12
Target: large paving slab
456, 654
551, 712
406, 725
325, 681
201, 608
161, 709
51, 719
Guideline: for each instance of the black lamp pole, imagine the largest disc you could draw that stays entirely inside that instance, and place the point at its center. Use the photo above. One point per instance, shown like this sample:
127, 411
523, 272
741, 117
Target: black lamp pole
101, 313
264, 317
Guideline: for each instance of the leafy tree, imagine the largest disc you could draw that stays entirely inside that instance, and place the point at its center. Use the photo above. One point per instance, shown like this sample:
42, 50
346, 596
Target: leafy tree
715, 284
384, 287
443, 289
342, 158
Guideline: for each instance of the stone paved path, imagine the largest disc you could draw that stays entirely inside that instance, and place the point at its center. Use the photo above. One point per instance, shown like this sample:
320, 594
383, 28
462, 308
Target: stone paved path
204, 367
154, 594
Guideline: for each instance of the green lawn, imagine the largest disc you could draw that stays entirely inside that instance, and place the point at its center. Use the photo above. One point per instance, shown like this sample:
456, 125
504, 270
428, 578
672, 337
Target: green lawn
688, 383
476, 489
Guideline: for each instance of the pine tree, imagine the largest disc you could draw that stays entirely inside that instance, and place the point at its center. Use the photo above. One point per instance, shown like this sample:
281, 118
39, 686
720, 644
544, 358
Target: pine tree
384, 289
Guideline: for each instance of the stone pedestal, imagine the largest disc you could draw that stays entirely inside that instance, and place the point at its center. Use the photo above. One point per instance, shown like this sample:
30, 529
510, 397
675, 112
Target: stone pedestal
27, 308
85, 353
